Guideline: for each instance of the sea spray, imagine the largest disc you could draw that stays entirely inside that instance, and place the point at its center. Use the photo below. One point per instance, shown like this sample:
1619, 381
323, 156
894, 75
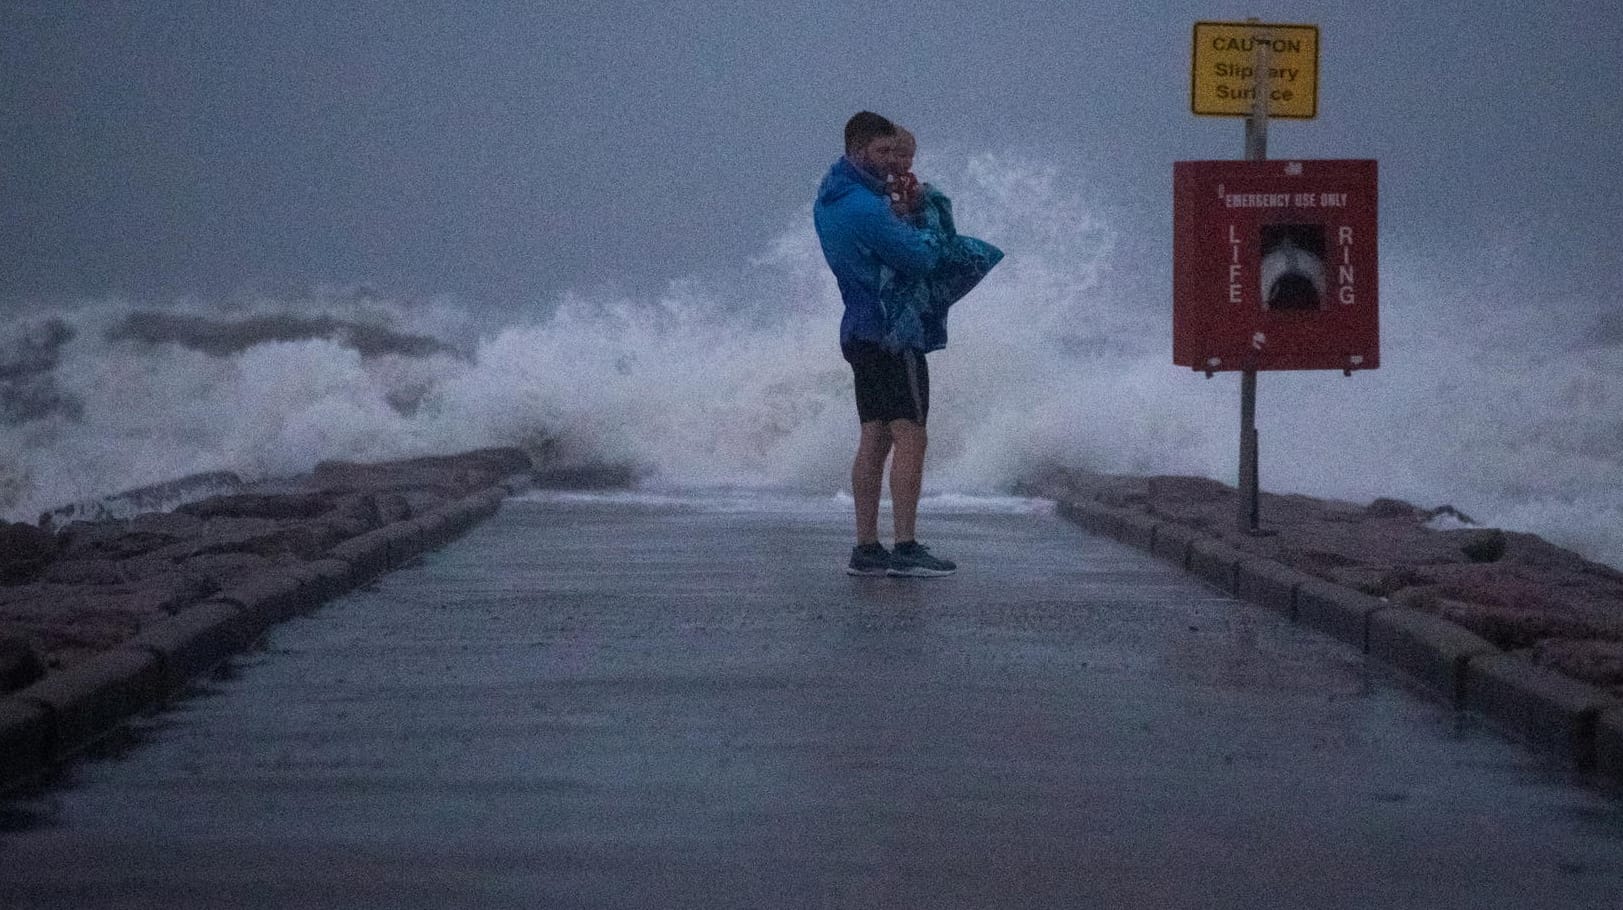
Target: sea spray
144, 413
1495, 395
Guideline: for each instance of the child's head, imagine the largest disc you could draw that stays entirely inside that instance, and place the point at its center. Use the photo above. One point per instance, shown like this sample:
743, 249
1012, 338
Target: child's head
906, 147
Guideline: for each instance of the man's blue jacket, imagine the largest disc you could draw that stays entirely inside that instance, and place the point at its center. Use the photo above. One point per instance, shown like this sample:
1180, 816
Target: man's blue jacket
861, 237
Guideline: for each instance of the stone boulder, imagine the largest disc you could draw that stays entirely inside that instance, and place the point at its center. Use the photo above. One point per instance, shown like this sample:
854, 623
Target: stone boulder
68, 622
218, 569
1596, 662
1514, 628
1517, 590
124, 539
24, 551
1485, 546
352, 516
450, 476
282, 506
20, 664
263, 536
392, 507
1395, 508
112, 569
106, 571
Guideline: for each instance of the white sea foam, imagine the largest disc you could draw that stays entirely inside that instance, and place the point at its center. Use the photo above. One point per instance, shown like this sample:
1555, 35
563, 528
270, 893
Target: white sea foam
746, 501
959, 503
634, 498
1506, 404
1449, 522
730, 501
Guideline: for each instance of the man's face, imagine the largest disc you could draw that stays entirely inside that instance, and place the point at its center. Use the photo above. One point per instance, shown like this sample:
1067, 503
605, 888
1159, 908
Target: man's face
878, 156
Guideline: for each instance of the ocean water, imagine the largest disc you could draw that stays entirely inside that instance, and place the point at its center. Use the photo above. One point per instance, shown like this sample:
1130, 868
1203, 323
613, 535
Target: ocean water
1501, 391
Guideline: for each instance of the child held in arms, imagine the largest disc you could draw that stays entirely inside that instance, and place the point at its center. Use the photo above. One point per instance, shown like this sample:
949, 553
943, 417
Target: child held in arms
906, 193
915, 310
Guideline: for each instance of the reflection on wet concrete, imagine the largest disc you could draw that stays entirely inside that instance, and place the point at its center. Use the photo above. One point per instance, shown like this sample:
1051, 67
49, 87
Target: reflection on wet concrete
601, 701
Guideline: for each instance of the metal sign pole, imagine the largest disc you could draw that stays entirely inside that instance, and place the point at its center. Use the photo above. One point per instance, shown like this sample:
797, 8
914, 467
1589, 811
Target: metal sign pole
1256, 149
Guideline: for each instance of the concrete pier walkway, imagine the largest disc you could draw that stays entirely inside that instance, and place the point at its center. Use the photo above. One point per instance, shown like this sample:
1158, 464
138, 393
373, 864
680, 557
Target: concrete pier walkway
670, 702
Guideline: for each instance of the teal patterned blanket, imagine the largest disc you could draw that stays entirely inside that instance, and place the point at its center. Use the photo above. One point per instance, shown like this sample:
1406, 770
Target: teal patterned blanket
915, 309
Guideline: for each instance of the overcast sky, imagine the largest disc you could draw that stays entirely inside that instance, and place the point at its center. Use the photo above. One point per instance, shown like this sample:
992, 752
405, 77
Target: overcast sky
501, 151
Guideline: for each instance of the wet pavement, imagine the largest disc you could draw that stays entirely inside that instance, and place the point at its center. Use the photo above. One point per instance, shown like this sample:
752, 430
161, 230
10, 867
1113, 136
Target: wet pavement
647, 701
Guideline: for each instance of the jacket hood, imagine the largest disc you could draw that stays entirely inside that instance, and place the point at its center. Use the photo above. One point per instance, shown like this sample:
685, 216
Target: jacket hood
845, 178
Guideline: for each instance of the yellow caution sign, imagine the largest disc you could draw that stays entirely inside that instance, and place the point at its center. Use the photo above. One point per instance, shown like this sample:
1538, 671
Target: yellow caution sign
1231, 60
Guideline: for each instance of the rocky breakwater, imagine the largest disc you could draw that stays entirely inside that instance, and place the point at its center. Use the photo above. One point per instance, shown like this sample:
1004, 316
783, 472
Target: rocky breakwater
1502, 623
102, 619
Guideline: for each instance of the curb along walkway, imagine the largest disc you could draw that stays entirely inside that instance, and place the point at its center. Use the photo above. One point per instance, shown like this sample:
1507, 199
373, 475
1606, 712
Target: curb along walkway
1577, 723
621, 701
50, 722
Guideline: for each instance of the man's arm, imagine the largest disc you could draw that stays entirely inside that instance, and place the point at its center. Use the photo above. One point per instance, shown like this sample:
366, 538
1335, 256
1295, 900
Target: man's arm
910, 251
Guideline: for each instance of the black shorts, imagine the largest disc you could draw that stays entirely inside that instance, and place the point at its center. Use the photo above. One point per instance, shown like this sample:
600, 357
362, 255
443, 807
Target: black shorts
890, 386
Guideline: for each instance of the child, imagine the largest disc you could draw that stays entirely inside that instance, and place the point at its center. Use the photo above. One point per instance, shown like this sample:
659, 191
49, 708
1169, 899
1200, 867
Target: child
915, 310
906, 193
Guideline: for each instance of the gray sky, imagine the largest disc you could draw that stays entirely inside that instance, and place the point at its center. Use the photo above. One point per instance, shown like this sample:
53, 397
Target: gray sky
509, 151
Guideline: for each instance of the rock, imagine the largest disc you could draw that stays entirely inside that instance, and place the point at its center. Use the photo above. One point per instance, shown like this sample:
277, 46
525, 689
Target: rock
24, 551
1393, 508
68, 622
113, 540
106, 571
1514, 629
177, 524
1188, 489
392, 507
249, 505
97, 582
1597, 662
1535, 552
1515, 589
1509, 582
170, 594
353, 516
20, 664
1377, 581
1485, 546
304, 540
218, 569
421, 502
84, 572
147, 597
1326, 563
1426, 597
263, 536
453, 475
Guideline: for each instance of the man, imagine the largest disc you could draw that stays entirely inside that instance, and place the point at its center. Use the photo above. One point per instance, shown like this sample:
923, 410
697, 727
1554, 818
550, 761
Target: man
860, 236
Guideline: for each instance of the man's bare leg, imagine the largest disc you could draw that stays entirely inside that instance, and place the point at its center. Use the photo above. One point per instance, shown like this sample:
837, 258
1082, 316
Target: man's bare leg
907, 475
867, 475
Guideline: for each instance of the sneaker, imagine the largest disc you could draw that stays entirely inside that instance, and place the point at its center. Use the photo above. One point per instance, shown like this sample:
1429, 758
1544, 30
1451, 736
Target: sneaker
870, 559
913, 560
